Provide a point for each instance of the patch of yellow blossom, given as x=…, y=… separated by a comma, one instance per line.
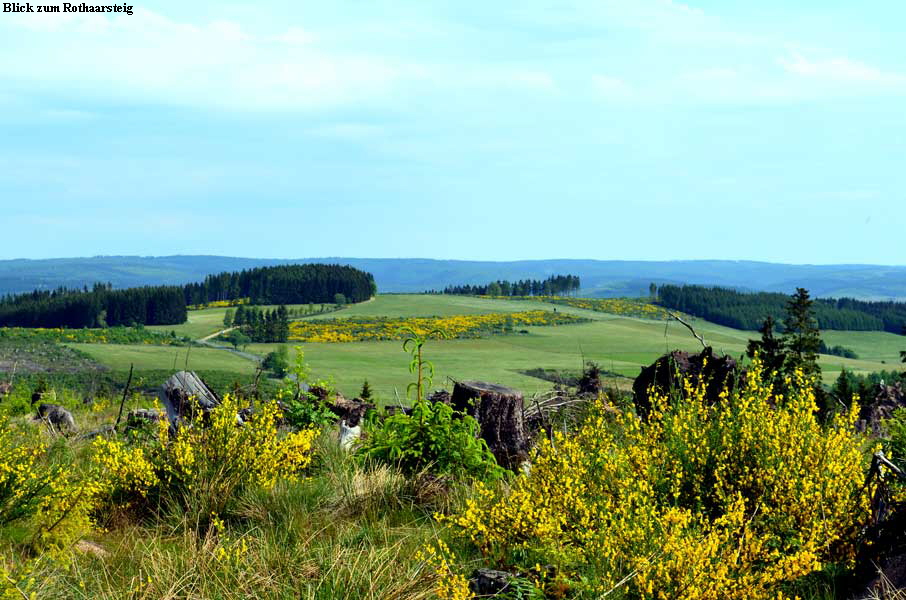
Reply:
x=229, y=552
x=219, y=457
x=218, y=304
x=450, y=585
x=110, y=335
x=701, y=502
x=455, y=326
x=625, y=307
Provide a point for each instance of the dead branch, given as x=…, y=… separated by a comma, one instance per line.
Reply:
x=689, y=327
x=123, y=401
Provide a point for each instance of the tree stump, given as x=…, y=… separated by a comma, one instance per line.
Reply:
x=183, y=392
x=498, y=410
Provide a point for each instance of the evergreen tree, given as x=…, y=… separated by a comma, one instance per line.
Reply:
x=228, y=318
x=801, y=338
x=844, y=388
x=771, y=352
x=365, y=394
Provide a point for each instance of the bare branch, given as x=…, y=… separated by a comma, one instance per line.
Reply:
x=689, y=327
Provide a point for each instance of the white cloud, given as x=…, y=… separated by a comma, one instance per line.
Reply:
x=839, y=70
x=150, y=57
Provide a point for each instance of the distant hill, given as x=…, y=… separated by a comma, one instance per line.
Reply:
x=599, y=278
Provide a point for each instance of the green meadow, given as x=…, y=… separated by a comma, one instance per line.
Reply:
x=619, y=344
x=151, y=358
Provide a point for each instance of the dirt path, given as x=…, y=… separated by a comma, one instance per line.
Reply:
x=206, y=340
x=215, y=334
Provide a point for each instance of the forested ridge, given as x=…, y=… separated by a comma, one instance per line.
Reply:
x=747, y=310
x=290, y=284
x=102, y=306
x=555, y=285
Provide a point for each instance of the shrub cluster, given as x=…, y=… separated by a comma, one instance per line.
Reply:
x=733, y=500
x=394, y=328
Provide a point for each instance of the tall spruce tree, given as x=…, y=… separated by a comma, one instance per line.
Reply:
x=771, y=352
x=801, y=337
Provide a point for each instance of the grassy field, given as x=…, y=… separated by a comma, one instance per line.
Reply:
x=619, y=344
x=118, y=357
x=210, y=320
x=206, y=321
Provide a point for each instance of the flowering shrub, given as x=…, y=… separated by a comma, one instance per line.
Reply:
x=203, y=466
x=393, y=328
x=206, y=466
x=218, y=304
x=732, y=500
x=450, y=585
x=41, y=490
x=110, y=335
x=625, y=307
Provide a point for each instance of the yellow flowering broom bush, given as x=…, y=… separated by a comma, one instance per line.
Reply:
x=205, y=466
x=733, y=500
x=43, y=492
x=362, y=329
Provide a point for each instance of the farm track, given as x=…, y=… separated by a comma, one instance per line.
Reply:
x=246, y=355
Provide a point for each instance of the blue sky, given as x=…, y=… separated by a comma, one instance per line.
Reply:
x=642, y=129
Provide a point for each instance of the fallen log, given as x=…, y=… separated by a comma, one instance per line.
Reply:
x=183, y=394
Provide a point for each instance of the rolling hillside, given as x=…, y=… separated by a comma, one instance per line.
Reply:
x=402, y=275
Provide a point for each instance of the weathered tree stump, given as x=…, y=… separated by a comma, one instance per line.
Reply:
x=185, y=392
x=498, y=410
x=666, y=374
x=350, y=411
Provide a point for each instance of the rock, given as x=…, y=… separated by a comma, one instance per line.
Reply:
x=499, y=412
x=86, y=547
x=349, y=435
x=887, y=399
x=490, y=582
x=667, y=373
x=141, y=417
x=56, y=417
x=104, y=431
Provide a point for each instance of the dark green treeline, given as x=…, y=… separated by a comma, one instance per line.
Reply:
x=742, y=310
x=102, y=306
x=290, y=284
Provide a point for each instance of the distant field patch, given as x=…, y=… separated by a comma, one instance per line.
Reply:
x=218, y=304
x=120, y=357
x=624, y=307
x=109, y=335
x=454, y=327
